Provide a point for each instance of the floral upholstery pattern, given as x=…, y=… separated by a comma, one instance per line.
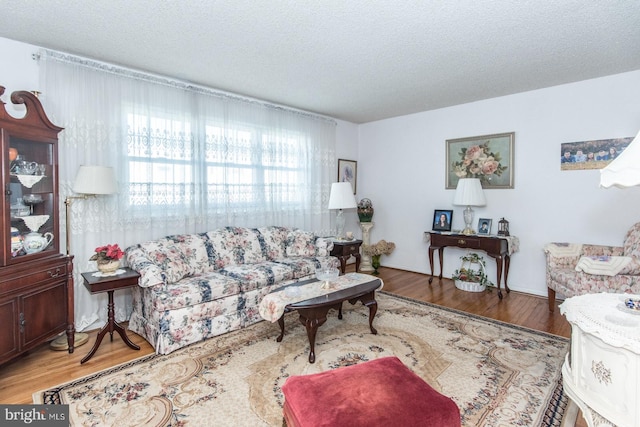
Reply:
x=562, y=276
x=196, y=286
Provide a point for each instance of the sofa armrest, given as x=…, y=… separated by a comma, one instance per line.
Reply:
x=150, y=273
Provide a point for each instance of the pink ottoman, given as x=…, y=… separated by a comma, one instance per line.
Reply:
x=381, y=392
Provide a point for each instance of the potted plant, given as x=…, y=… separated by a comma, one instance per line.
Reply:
x=468, y=279
x=375, y=251
x=107, y=258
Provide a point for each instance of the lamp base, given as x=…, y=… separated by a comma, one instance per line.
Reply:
x=60, y=343
x=468, y=219
x=468, y=232
x=340, y=221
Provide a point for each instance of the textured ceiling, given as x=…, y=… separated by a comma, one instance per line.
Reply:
x=353, y=60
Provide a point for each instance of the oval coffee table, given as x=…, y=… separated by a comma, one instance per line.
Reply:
x=313, y=311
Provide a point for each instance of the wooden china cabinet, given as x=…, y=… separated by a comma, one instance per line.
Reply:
x=36, y=284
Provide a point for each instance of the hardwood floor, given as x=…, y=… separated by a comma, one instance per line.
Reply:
x=42, y=367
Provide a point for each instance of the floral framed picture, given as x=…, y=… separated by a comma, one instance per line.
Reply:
x=348, y=172
x=442, y=220
x=484, y=225
x=487, y=157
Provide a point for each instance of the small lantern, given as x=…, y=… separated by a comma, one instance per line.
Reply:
x=503, y=227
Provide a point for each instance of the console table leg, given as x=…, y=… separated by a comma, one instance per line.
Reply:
x=499, y=273
x=431, y=263
x=507, y=260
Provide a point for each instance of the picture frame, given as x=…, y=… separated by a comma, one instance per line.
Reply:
x=484, y=226
x=487, y=157
x=445, y=225
x=594, y=154
x=348, y=172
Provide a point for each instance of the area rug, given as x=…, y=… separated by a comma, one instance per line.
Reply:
x=498, y=374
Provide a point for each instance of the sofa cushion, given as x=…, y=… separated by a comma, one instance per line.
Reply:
x=192, y=291
x=258, y=275
x=165, y=254
x=193, y=250
x=273, y=241
x=233, y=246
x=300, y=243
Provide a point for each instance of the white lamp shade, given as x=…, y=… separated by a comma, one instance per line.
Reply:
x=341, y=196
x=95, y=180
x=624, y=170
x=469, y=193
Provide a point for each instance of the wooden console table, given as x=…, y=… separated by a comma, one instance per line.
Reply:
x=496, y=247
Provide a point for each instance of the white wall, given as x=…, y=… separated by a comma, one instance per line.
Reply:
x=18, y=72
x=401, y=168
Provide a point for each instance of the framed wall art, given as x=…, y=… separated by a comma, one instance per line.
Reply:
x=442, y=220
x=487, y=157
x=348, y=172
x=595, y=154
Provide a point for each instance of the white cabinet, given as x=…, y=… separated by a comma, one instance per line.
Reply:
x=602, y=371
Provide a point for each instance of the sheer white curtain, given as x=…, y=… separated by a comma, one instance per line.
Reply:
x=187, y=159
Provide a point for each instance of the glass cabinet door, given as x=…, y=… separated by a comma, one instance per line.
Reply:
x=32, y=199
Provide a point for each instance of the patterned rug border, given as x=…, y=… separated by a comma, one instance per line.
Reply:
x=556, y=407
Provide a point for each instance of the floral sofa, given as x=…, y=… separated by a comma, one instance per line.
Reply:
x=196, y=286
x=577, y=269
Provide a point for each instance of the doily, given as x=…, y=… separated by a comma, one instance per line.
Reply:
x=115, y=273
x=29, y=180
x=599, y=315
x=34, y=222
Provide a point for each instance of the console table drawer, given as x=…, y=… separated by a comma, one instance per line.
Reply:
x=461, y=242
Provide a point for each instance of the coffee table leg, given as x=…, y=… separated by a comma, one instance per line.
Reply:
x=312, y=319
x=369, y=300
x=281, y=324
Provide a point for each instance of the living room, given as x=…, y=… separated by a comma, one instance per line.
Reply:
x=401, y=167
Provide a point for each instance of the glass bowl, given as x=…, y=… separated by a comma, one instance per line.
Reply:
x=327, y=274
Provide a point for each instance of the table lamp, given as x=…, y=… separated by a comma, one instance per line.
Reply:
x=341, y=197
x=469, y=193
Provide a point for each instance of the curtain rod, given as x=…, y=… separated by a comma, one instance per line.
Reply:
x=167, y=81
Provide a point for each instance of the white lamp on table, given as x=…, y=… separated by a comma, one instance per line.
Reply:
x=341, y=198
x=469, y=193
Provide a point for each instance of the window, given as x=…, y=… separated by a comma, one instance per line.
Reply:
x=215, y=168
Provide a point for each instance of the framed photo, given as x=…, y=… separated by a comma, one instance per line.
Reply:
x=484, y=226
x=488, y=157
x=595, y=154
x=348, y=172
x=442, y=220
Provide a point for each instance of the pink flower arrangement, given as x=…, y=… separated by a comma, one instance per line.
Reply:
x=105, y=254
x=478, y=161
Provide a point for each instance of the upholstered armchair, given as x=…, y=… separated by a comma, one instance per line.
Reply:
x=577, y=269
